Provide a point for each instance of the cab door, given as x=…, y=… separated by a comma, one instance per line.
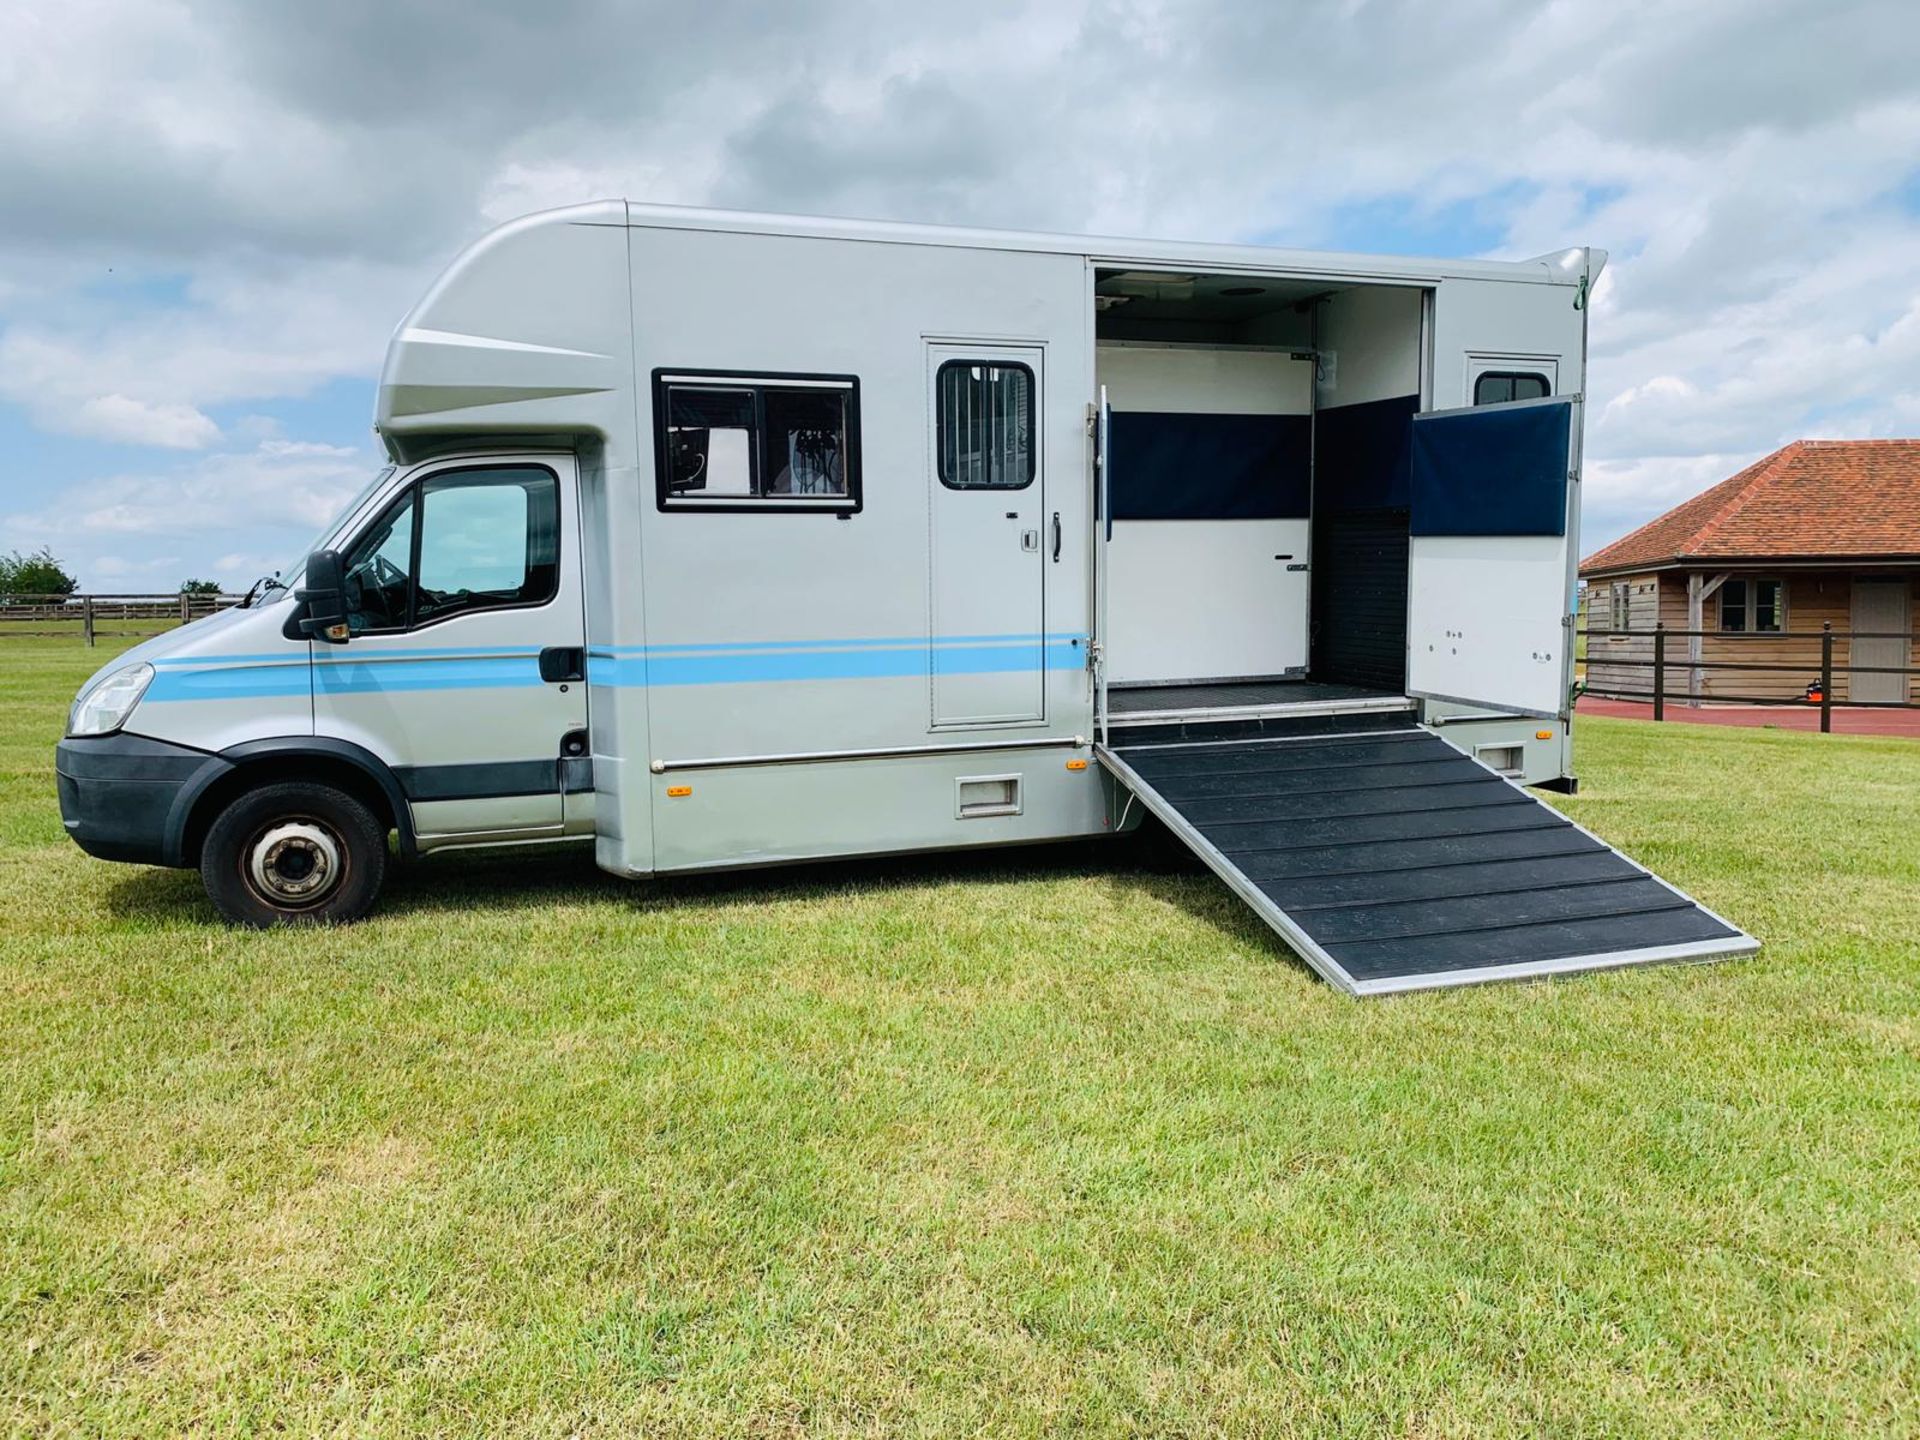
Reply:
x=465, y=670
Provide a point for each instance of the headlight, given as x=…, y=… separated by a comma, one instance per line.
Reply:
x=104, y=708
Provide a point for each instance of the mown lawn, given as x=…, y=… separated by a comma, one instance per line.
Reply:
x=1047, y=1142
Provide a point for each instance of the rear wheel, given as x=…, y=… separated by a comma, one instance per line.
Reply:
x=294, y=854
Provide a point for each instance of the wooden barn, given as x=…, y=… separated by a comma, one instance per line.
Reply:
x=1821, y=532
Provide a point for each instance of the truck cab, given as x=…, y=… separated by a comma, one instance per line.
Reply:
x=420, y=673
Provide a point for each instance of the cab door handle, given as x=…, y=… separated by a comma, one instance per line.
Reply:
x=559, y=663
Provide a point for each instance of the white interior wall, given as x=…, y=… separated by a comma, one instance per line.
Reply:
x=1205, y=599
x=1369, y=346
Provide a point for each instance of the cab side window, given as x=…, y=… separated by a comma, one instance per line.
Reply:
x=458, y=540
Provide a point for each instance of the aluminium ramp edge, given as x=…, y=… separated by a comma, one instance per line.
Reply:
x=1391, y=861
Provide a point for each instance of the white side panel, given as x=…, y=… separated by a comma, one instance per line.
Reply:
x=1206, y=599
x=772, y=634
x=1369, y=346
x=1196, y=380
x=1484, y=619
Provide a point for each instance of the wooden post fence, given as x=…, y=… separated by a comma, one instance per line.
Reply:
x=1826, y=678
x=1660, y=670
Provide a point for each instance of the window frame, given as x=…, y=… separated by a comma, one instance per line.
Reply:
x=1033, y=424
x=1619, y=608
x=758, y=382
x=411, y=493
x=1509, y=375
x=1751, y=609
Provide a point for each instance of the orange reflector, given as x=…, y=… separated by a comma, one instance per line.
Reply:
x=675, y=792
x=1543, y=734
x=1076, y=764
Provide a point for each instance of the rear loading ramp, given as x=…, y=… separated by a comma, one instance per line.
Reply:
x=1391, y=861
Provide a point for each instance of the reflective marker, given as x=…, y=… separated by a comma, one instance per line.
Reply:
x=1076, y=764
x=676, y=792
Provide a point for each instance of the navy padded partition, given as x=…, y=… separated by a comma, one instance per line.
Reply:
x=1501, y=470
x=1361, y=458
x=1176, y=466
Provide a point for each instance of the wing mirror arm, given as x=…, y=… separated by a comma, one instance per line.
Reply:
x=320, y=610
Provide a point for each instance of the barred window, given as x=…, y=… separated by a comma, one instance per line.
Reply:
x=984, y=425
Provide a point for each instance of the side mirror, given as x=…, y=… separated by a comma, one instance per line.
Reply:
x=323, y=599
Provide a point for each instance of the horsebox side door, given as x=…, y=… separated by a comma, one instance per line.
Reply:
x=1490, y=575
x=986, y=483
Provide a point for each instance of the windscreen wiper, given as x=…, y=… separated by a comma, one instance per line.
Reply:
x=259, y=589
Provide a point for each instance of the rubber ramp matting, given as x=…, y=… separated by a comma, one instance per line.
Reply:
x=1392, y=861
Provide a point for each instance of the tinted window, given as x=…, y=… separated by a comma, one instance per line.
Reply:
x=379, y=571
x=1733, y=606
x=457, y=541
x=806, y=445
x=1753, y=606
x=757, y=442
x=984, y=425
x=710, y=441
x=1497, y=387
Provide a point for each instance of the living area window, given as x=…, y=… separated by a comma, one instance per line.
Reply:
x=1753, y=607
x=725, y=440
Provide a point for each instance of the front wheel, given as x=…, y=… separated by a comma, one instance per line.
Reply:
x=294, y=854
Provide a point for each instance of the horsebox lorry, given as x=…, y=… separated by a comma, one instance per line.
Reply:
x=724, y=540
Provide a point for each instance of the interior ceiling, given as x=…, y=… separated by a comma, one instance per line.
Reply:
x=1154, y=295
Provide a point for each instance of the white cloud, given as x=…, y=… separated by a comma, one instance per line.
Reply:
x=138, y=422
x=303, y=171
x=234, y=513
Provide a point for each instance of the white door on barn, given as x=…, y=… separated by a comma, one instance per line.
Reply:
x=1881, y=622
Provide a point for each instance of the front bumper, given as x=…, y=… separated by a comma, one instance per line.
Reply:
x=122, y=796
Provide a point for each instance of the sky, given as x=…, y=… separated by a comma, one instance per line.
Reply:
x=213, y=214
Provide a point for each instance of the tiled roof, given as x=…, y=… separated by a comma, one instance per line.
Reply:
x=1844, y=499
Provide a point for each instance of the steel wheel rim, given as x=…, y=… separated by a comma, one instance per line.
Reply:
x=295, y=863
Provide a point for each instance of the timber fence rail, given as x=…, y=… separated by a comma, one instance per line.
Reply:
x=91, y=617
x=1690, y=694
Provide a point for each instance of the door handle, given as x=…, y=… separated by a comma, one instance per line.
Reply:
x=1030, y=541
x=559, y=663
x=1056, y=537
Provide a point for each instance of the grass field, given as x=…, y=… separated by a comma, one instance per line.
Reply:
x=1046, y=1142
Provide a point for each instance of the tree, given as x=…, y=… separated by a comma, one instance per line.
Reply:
x=35, y=574
x=199, y=587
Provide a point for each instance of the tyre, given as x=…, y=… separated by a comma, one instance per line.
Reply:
x=295, y=853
